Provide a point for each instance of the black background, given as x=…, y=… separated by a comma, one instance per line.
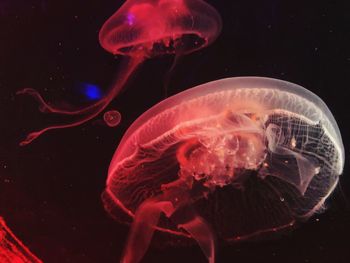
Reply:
x=50, y=190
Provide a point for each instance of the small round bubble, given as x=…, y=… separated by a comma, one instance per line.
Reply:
x=112, y=118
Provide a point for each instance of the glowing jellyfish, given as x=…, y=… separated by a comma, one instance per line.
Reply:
x=233, y=158
x=112, y=118
x=11, y=248
x=141, y=29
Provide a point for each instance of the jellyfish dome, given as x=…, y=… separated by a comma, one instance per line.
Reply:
x=156, y=27
x=245, y=156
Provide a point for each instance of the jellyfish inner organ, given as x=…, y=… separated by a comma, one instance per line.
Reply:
x=218, y=149
x=235, y=142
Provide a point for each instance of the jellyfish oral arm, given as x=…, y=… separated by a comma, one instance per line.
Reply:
x=214, y=158
x=143, y=227
x=175, y=204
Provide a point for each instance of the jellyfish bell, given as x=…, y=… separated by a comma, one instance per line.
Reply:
x=157, y=27
x=233, y=158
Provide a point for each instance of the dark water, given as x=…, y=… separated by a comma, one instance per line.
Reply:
x=50, y=190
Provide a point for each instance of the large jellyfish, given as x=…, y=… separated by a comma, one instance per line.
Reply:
x=230, y=159
x=142, y=29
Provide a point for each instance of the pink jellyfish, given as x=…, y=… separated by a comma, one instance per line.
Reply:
x=234, y=159
x=142, y=29
x=11, y=248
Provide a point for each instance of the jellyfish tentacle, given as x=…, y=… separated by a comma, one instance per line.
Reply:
x=45, y=106
x=86, y=113
x=169, y=74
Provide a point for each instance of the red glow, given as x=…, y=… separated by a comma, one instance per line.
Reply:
x=12, y=250
x=142, y=29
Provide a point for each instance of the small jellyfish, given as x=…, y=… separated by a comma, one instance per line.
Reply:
x=141, y=30
x=112, y=118
x=231, y=159
x=12, y=250
x=148, y=28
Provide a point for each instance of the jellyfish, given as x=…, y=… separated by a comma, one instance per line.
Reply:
x=11, y=248
x=138, y=30
x=229, y=160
